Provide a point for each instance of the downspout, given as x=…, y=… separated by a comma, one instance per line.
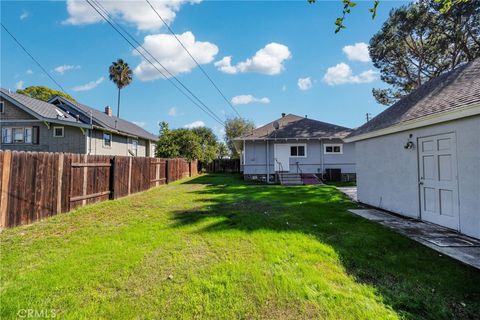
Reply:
x=321, y=155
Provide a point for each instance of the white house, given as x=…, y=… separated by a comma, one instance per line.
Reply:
x=421, y=157
x=297, y=150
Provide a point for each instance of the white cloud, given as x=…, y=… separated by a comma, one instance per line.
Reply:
x=166, y=49
x=64, y=68
x=141, y=124
x=172, y=112
x=357, y=52
x=248, y=99
x=24, y=15
x=342, y=74
x=19, y=85
x=29, y=71
x=195, y=124
x=88, y=86
x=268, y=60
x=305, y=83
x=137, y=13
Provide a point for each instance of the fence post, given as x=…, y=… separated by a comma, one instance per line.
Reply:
x=111, y=182
x=129, y=174
x=167, y=171
x=59, y=182
x=7, y=157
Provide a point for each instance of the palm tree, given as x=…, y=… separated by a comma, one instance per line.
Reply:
x=121, y=75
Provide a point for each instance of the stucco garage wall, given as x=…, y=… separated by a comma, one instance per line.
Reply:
x=387, y=174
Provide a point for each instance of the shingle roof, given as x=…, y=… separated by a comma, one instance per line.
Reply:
x=41, y=108
x=112, y=122
x=295, y=127
x=451, y=90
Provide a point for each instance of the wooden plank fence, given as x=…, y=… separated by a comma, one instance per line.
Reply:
x=36, y=185
x=221, y=165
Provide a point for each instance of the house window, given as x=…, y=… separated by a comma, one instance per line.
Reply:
x=2, y=107
x=333, y=148
x=107, y=139
x=7, y=135
x=58, y=132
x=18, y=135
x=28, y=135
x=298, y=150
x=134, y=147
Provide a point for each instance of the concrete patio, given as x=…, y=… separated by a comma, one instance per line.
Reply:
x=443, y=240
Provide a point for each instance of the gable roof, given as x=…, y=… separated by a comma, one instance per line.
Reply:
x=295, y=127
x=108, y=122
x=449, y=92
x=40, y=109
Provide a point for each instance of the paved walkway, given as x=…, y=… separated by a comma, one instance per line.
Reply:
x=443, y=240
x=351, y=192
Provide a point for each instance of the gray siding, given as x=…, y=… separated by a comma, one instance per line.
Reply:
x=120, y=145
x=12, y=112
x=73, y=140
x=388, y=174
x=314, y=162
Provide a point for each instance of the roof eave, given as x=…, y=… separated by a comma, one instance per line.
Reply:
x=457, y=113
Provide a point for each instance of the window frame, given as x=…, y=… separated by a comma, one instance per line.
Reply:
x=22, y=129
x=134, y=142
x=110, y=141
x=54, y=131
x=13, y=131
x=333, y=145
x=4, y=129
x=2, y=106
x=304, y=145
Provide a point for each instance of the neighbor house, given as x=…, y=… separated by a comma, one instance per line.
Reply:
x=61, y=125
x=297, y=146
x=421, y=157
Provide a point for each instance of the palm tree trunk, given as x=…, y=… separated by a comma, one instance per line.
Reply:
x=118, y=104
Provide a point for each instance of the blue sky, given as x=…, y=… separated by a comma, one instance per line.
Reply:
x=284, y=57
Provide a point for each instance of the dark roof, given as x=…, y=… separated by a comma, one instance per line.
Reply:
x=40, y=108
x=295, y=127
x=451, y=90
x=111, y=122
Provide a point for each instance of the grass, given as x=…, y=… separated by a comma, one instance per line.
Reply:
x=342, y=183
x=215, y=247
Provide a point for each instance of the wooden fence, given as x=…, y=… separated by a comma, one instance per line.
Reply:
x=36, y=185
x=221, y=165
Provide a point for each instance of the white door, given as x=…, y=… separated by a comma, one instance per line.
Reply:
x=282, y=157
x=438, y=180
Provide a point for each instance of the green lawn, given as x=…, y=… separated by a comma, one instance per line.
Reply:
x=215, y=247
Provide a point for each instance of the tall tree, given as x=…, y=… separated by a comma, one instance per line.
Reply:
x=234, y=128
x=121, y=75
x=418, y=42
x=43, y=93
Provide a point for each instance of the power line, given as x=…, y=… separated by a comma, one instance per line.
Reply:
x=193, y=58
x=111, y=22
x=35, y=60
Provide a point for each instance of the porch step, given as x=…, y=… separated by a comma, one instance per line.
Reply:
x=290, y=179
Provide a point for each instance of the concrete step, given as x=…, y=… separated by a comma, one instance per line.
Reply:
x=290, y=179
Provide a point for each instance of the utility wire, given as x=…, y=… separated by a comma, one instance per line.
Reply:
x=108, y=18
x=35, y=60
x=193, y=58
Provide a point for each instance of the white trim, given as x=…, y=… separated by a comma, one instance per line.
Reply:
x=333, y=145
x=58, y=127
x=304, y=145
x=450, y=115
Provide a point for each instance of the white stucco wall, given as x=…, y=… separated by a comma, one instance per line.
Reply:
x=387, y=174
x=256, y=157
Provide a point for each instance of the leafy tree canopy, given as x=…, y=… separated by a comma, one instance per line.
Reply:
x=235, y=127
x=43, y=93
x=418, y=43
x=197, y=143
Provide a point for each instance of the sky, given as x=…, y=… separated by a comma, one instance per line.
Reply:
x=266, y=57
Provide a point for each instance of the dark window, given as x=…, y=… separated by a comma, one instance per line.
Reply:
x=2, y=107
x=107, y=139
x=336, y=149
x=36, y=135
x=328, y=149
x=301, y=151
x=58, y=132
x=293, y=151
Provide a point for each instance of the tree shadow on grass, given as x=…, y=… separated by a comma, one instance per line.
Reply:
x=414, y=280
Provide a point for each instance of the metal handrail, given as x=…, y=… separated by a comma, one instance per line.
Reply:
x=298, y=168
x=280, y=166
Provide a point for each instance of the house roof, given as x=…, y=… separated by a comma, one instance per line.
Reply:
x=448, y=92
x=110, y=122
x=38, y=108
x=295, y=127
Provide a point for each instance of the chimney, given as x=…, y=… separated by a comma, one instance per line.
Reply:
x=283, y=114
x=108, y=111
